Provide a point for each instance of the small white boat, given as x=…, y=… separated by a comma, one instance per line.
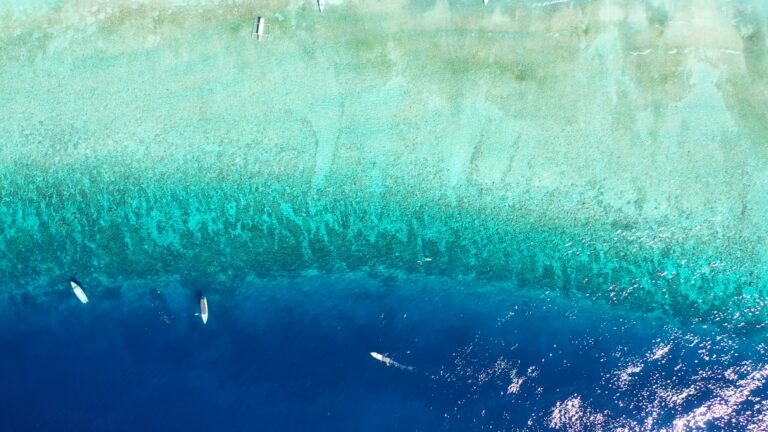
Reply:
x=382, y=358
x=485, y=2
x=389, y=362
x=259, y=28
x=321, y=5
x=204, y=309
x=79, y=292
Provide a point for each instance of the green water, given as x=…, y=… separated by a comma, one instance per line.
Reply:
x=616, y=149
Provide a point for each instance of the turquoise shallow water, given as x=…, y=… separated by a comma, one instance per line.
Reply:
x=611, y=149
x=600, y=151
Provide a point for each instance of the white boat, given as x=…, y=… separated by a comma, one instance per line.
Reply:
x=485, y=2
x=79, y=292
x=382, y=358
x=204, y=309
x=321, y=5
x=389, y=362
x=259, y=28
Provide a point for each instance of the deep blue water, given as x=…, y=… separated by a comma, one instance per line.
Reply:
x=292, y=354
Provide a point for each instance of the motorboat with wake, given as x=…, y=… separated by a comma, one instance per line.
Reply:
x=389, y=362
